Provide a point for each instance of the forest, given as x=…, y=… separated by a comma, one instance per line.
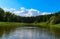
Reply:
x=9, y=17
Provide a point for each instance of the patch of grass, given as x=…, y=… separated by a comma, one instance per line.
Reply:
x=17, y=24
x=55, y=28
x=11, y=24
x=55, y=25
x=41, y=24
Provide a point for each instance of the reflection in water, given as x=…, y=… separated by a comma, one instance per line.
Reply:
x=27, y=33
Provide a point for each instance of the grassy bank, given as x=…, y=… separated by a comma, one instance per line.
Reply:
x=55, y=28
x=52, y=27
x=11, y=25
x=8, y=25
x=41, y=24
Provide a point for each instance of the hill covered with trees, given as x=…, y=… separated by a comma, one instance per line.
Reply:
x=9, y=17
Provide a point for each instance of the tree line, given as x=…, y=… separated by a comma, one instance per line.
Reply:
x=9, y=17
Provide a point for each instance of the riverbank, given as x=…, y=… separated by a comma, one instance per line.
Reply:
x=8, y=25
x=42, y=24
x=55, y=28
x=11, y=24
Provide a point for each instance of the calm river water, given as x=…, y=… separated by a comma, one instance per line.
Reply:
x=28, y=33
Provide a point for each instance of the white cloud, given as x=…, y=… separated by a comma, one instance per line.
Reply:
x=32, y=12
x=26, y=12
x=9, y=9
x=45, y=13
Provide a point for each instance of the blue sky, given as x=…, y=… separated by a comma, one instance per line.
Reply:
x=41, y=5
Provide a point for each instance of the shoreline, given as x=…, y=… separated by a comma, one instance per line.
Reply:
x=8, y=25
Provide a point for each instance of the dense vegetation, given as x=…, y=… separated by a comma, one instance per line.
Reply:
x=9, y=17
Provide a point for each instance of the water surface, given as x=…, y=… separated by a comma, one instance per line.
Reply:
x=28, y=33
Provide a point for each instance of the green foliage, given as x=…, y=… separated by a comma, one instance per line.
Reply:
x=55, y=18
x=9, y=17
x=2, y=14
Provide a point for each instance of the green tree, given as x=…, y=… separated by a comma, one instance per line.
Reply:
x=2, y=14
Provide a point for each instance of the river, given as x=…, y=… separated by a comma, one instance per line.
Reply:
x=28, y=33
